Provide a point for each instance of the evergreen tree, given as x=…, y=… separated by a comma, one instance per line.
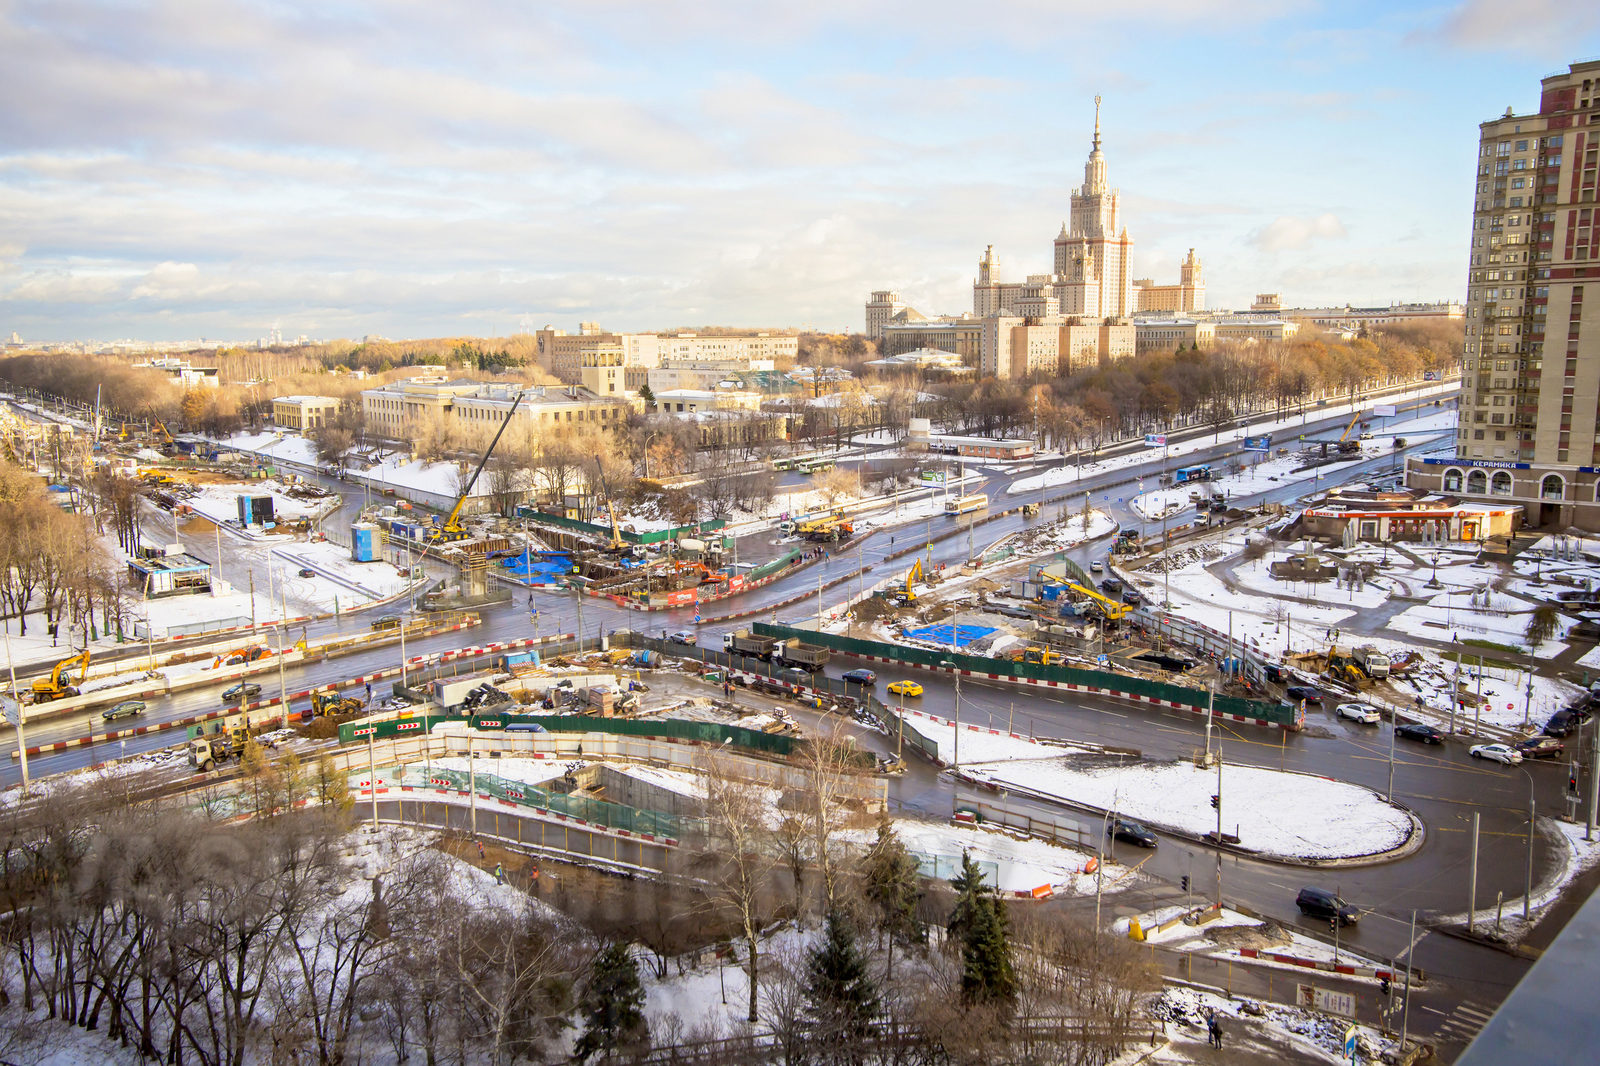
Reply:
x=987, y=975
x=840, y=996
x=612, y=1004
x=969, y=890
x=893, y=886
x=646, y=395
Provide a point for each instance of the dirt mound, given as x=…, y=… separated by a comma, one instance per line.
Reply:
x=1263, y=937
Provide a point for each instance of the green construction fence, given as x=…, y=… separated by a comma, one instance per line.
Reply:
x=656, y=536
x=1146, y=688
x=705, y=732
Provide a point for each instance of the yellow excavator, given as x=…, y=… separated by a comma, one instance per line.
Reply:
x=912, y=577
x=451, y=530
x=56, y=687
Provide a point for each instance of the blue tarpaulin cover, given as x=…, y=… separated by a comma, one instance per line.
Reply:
x=962, y=635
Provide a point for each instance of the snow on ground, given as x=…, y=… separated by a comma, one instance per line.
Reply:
x=979, y=744
x=399, y=472
x=1200, y=939
x=712, y=999
x=220, y=503
x=1452, y=617
x=1273, y=812
x=1279, y=1029
x=290, y=447
x=1024, y=863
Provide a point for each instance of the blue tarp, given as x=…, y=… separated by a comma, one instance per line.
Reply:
x=962, y=635
x=543, y=567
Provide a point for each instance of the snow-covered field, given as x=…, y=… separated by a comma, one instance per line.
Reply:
x=1252, y=479
x=220, y=503
x=1025, y=864
x=1275, y=813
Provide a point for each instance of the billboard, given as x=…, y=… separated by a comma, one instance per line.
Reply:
x=1383, y=410
x=1258, y=444
x=1155, y=440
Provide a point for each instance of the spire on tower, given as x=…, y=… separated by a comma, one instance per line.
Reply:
x=1097, y=123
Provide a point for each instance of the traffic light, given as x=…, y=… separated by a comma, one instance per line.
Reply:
x=1184, y=882
x=1216, y=802
x=1383, y=986
x=1572, y=780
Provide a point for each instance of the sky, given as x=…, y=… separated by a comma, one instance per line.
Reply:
x=215, y=168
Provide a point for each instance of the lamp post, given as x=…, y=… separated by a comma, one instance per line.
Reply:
x=955, y=753
x=1527, y=889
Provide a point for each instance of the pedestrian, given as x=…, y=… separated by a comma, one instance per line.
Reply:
x=499, y=873
x=1216, y=1032
x=1211, y=1028
x=480, y=851
x=369, y=691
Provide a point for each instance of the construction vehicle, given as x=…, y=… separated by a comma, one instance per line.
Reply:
x=794, y=653
x=1347, y=429
x=332, y=703
x=1343, y=666
x=56, y=686
x=450, y=530
x=1039, y=657
x=206, y=752
x=1114, y=610
x=912, y=577
x=1374, y=663
x=745, y=642
x=247, y=654
x=965, y=504
x=833, y=525
x=1029, y=510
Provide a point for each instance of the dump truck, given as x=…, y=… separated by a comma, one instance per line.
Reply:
x=745, y=642
x=1373, y=662
x=205, y=753
x=794, y=653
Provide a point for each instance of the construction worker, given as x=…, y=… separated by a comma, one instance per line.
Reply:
x=499, y=873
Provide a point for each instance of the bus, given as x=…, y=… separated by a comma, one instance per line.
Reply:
x=965, y=504
x=1192, y=473
x=816, y=466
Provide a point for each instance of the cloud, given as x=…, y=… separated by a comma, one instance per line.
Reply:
x=1544, y=28
x=1288, y=233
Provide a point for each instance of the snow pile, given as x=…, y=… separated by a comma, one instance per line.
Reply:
x=1025, y=864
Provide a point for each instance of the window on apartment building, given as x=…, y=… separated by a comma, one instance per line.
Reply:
x=1522, y=146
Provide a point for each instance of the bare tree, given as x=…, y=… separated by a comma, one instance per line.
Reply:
x=739, y=859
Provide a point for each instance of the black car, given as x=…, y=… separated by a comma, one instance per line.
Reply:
x=1561, y=724
x=243, y=688
x=1417, y=731
x=861, y=677
x=1133, y=833
x=1111, y=584
x=1133, y=597
x=306, y=571
x=1276, y=674
x=1304, y=692
x=1320, y=903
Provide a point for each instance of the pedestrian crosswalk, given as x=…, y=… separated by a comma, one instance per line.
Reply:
x=1463, y=1023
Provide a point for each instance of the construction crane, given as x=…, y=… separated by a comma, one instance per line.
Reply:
x=50, y=688
x=451, y=529
x=1114, y=610
x=1346, y=434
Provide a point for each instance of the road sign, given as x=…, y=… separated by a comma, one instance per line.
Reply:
x=1155, y=440
x=1323, y=999
x=1350, y=1043
x=1258, y=444
x=12, y=708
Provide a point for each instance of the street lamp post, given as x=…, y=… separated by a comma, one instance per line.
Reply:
x=1527, y=889
x=955, y=753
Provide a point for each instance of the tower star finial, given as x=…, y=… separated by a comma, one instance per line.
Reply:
x=1097, y=123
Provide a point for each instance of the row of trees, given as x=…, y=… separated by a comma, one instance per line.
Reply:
x=52, y=562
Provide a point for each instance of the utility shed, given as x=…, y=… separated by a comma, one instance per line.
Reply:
x=170, y=575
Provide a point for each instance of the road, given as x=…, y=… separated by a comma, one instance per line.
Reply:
x=1442, y=785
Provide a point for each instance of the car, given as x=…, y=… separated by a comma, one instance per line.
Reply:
x=125, y=709
x=684, y=636
x=1304, y=692
x=1541, y=748
x=905, y=688
x=1111, y=584
x=1426, y=734
x=388, y=621
x=306, y=571
x=242, y=689
x=1366, y=436
x=1132, y=832
x=1097, y=567
x=796, y=676
x=1561, y=724
x=1276, y=674
x=1497, y=752
x=1133, y=598
x=1365, y=713
x=861, y=677
x=1320, y=903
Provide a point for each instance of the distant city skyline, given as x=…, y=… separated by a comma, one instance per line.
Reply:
x=216, y=169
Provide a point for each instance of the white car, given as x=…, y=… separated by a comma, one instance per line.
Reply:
x=1097, y=567
x=1365, y=713
x=1498, y=752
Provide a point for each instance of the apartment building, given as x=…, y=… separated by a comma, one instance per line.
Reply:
x=563, y=355
x=760, y=351
x=1529, y=428
x=1015, y=347
x=1397, y=314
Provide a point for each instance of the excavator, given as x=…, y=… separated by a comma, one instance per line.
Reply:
x=451, y=530
x=247, y=654
x=912, y=576
x=53, y=687
x=1038, y=657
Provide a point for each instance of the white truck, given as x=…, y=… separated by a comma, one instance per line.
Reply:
x=1374, y=663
